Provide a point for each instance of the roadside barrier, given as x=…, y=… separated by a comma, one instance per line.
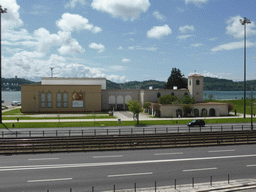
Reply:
x=121, y=131
x=124, y=142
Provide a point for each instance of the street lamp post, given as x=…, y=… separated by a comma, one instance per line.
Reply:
x=1, y=11
x=244, y=22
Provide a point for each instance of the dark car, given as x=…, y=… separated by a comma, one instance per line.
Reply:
x=198, y=122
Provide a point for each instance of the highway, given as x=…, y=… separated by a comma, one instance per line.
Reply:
x=82, y=171
x=149, y=129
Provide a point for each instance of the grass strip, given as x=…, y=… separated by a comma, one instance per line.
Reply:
x=115, y=123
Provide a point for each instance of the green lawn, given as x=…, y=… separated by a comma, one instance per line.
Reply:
x=238, y=105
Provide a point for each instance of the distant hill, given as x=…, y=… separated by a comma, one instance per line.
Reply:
x=13, y=84
x=210, y=84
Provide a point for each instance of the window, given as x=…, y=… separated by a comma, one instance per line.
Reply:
x=190, y=82
x=158, y=95
x=59, y=103
x=49, y=99
x=42, y=100
x=197, y=82
x=65, y=100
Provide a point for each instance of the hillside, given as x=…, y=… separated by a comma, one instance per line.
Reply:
x=210, y=84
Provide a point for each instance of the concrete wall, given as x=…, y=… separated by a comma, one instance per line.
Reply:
x=31, y=98
x=117, y=98
x=74, y=81
x=221, y=109
x=151, y=95
x=196, y=90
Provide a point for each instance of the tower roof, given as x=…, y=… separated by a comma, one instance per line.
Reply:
x=196, y=75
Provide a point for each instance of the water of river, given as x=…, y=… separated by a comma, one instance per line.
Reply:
x=9, y=96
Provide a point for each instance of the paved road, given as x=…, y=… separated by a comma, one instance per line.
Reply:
x=81, y=171
x=150, y=129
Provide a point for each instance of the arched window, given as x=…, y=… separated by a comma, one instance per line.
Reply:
x=196, y=113
x=158, y=95
x=127, y=98
x=190, y=82
x=204, y=112
x=111, y=100
x=179, y=113
x=197, y=82
x=212, y=112
x=120, y=102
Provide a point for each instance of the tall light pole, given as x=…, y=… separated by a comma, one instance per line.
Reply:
x=244, y=22
x=1, y=11
x=51, y=71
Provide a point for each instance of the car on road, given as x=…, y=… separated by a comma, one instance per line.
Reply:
x=197, y=122
x=16, y=103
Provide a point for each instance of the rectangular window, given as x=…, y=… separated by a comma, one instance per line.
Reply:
x=65, y=100
x=42, y=100
x=59, y=102
x=49, y=100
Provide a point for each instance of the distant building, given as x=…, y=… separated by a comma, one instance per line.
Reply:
x=65, y=95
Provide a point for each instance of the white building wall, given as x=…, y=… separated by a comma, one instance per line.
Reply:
x=74, y=81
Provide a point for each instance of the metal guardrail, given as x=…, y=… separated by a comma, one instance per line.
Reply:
x=120, y=131
x=122, y=142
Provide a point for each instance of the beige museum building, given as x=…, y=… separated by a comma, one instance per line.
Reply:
x=78, y=95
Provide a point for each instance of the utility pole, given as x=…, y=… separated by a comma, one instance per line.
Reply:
x=244, y=22
x=252, y=109
x=51, y=71
x=1, y=11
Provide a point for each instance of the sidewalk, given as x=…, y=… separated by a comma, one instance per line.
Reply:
x=221, y=186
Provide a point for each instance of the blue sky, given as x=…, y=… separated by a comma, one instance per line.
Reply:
x=127, y=40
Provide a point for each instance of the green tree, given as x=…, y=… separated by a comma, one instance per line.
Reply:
x=176, y=79
x=187, y=110
x=135, y=107
x=146, y=106
x=187, y=99
x=168, y=99
x=210, y=97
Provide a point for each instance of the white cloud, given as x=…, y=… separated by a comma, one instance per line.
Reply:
x=184, y=37
x=213, y=38
x=195, y=1
x=98, y=47
x=143, y=48
x=232, y=46
x=180, y=10
x=32, y=65
x=158, y=15
x=159, y=31
x=120, y=48
x=126, y=9
x=71, y=22
x=72, y=3
x=67, y=44
x=236, y=29
x=11, y=19
x=117, y=78
x=186, y=28
x=197, y=45
x=126, y=60
x=117, y=68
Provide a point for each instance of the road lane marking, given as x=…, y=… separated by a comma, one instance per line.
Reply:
x=42, y=159
x=219, y=151
x=112, y=156
x=47, y=180
x=58, y=166
x=203, y=169
x=131, y=174
x=178, y=153
x=250, y=165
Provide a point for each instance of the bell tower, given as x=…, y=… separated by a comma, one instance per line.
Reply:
x=196, y=87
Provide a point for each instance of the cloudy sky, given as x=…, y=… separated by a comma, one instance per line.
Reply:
x=127, y=40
